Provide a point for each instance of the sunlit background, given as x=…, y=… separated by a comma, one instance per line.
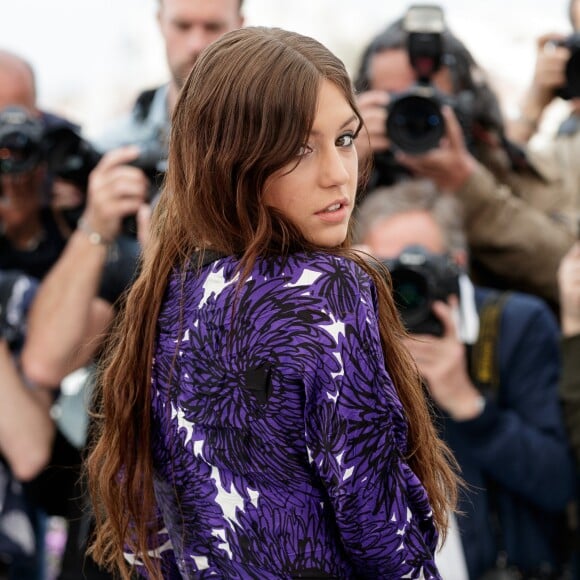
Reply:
x=92, y=57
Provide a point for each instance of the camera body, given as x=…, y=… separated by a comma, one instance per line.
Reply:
x=26, y=143
x=419, y=278
x=571, y=90
x=415, y=122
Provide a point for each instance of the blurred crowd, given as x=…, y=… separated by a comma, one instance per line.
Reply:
x=476, y=221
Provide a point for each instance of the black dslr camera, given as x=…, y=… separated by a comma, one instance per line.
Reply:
x=571, y=90
x=26, y=142
x=415, y=123
x=419, y=278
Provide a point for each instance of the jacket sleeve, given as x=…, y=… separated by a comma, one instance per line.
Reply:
x=517, y=240
x=519, y=439
x=356, y=438
x=570, y=389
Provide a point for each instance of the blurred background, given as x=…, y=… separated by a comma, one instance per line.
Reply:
x=92, y=57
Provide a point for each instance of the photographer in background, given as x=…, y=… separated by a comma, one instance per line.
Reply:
x=68, y=301
x=499, y=413
x=33, y=229
x=556, y=76
x=519, y=223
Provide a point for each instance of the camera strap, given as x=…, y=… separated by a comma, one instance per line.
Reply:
x=484, y=354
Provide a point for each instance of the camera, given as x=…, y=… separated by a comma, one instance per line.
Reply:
x=419, y=278
x=415, y=122
x=571, y=89
x=26, y=142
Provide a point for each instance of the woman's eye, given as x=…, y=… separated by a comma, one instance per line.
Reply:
x=304, y=150
x=345, y=140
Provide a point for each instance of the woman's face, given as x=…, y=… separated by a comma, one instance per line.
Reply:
x=318, y=194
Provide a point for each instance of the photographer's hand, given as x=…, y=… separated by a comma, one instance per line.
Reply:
x=373, y=137
x=442, y=363
x=450, y=165
x=116, y=190
x=549, y=75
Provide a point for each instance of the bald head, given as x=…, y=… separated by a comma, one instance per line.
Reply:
x=17, y=83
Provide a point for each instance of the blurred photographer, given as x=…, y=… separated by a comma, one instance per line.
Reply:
x=69, y=300
x=556, y=77
x=490, y=363
x=430, y=113
x=33, y=228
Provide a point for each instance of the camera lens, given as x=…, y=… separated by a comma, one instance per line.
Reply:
x=415, y=123
x=17, y=153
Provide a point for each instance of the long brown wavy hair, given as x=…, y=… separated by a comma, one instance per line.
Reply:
x=244, y=112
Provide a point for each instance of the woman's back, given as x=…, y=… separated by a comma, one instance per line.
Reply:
x=278, y=435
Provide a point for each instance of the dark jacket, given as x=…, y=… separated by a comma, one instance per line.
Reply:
x=515, y=455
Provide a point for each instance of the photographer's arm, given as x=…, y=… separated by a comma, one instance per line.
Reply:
x=68, y=320
x=516, y=239
x=26, y=427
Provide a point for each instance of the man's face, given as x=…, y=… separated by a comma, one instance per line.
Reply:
x=189, y=26
x=16, y=87
x=391, y=71
x=391, y=235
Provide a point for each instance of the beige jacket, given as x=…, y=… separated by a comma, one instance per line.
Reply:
x=519, y=225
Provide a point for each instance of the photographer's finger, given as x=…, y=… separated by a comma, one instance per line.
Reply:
x=120, y=156
x=454, y=132
x=444, y=313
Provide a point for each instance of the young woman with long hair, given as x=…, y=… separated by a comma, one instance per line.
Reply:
x=258, y=414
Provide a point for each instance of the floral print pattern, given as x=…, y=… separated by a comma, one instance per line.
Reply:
x=279, y=439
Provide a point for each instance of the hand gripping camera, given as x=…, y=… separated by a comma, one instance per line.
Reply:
x=419, y=278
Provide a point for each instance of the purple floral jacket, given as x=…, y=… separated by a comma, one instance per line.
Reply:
x=279, y=439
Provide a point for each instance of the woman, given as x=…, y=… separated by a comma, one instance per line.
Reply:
x=268, y=439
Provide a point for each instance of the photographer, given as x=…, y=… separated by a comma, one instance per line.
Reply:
x=499, y=413
x=556, y=76
x=33, y=228
x=518, y=222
